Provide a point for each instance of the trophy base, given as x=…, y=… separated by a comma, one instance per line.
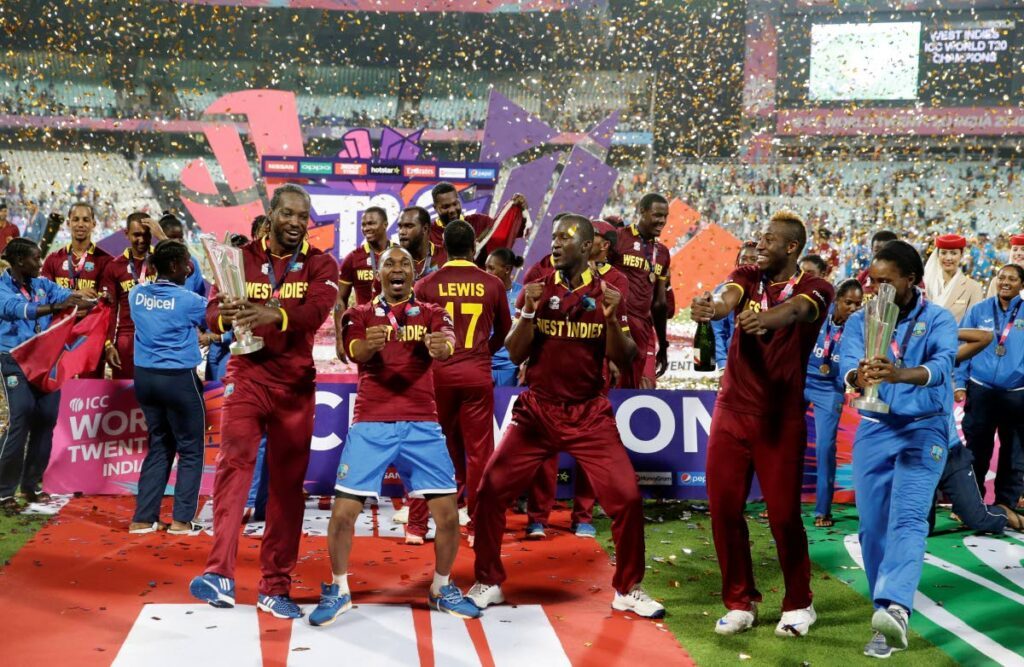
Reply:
x=254, y=344
x=870, y=405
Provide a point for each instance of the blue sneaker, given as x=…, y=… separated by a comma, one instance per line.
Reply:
x=451, y=601
x=214, y=589
x=331, y=605
x=281, y=606
x=535, y=531
x=585, y=530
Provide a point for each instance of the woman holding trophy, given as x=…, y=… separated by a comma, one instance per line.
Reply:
x=899, y=352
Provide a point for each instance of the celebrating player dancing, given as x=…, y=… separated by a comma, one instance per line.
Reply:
x=567, y=325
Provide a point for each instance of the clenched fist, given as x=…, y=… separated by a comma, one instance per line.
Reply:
x=376, y=338
x=437, y=345
x=531, y=295
x=610, y=299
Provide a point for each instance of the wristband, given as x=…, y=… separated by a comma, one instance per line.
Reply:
x=528, y=315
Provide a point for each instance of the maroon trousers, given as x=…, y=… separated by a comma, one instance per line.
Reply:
x=286, y=416
x=541, y=498
x=538, y=430
x=466, y=415
x=739, y=445
x=125, y=345
x=645, y=339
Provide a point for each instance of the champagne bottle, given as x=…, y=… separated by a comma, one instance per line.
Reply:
x=704, y=348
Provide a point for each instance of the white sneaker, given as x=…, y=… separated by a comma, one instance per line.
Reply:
x=737, y=620
x=484, y=595
x=401, y=516
x=638, y=602
x=796, y=623
x=463, y=516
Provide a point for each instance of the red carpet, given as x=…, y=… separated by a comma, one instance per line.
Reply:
x=75, y=591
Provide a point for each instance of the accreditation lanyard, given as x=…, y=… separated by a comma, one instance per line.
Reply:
x=1001, y=343
x=651, y=255
x=831, y=340
x=426, y=263
x=275, y=282
x=75, y=268
x=787, y=291
x=899, y=351
x=143, y=278
x=389, y=312
x=584, y=301
x=29, y=296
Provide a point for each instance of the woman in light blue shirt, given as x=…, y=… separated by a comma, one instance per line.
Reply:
x=167, y=386
x=27, y=306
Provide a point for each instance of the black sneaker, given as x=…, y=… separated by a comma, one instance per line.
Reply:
x=33, y=496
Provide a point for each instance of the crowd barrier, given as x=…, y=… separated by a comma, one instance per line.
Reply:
x=100, y=439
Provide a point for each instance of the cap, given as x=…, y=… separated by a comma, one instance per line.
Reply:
x=602, y=228
x=1017, y=239
x=950, y=242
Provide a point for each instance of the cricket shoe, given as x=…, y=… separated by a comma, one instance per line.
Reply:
x=215, y=590
x=892, y=623
x=535, y=531
x=878, y=648
x=585, y=530
x=796, y=622
x=464, y=516
x=332, y=605
x=736, y=621
x=401, y=516
x=450, y=600
x=485, y=595
x=638, y=602
x=280, y=606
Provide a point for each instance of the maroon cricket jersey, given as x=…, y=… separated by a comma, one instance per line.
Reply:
x=616, y=279
x=477, y=303
x=539, y=271
x=643, y=262
x=119, y=276
x=76, y=272
x=764, y=375
x=566, y=358
x=359, y=269
x=307, y=293
x=396, y=384
x=478, y=221
x=434, y=260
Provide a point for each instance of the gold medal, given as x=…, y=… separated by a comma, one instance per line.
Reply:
x=273, y=303
x=1000, y=350
x=825, y=369
x=653, y=277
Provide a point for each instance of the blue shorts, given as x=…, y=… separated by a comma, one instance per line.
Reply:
x=417, y=449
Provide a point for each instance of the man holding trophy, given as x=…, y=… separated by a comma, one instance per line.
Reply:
x=274, y=293
x=899, y=352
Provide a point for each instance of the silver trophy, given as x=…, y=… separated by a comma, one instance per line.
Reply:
x=880, y=316
x=227, y=266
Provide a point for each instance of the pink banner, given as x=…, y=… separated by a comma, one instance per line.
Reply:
x=929, y=122
x=101, y=439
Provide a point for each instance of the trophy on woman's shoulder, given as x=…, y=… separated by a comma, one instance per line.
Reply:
x=227, y=266
x=880, y=316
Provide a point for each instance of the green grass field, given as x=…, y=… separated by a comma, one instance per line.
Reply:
x=15, y=531
x=683, y=574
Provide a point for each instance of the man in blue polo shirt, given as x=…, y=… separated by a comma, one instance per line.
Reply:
x=167, y=386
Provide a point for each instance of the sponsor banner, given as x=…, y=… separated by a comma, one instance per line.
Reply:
x=456, y=173
x=927, y=122
x=419, y=171
x=342, y=169
x=100, y=440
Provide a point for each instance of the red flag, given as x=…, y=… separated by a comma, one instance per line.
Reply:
x=508, y=225
x=70, y=347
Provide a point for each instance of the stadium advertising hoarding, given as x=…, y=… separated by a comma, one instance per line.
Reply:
x=100, y=439
x=869, y=67
x=474, y=6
